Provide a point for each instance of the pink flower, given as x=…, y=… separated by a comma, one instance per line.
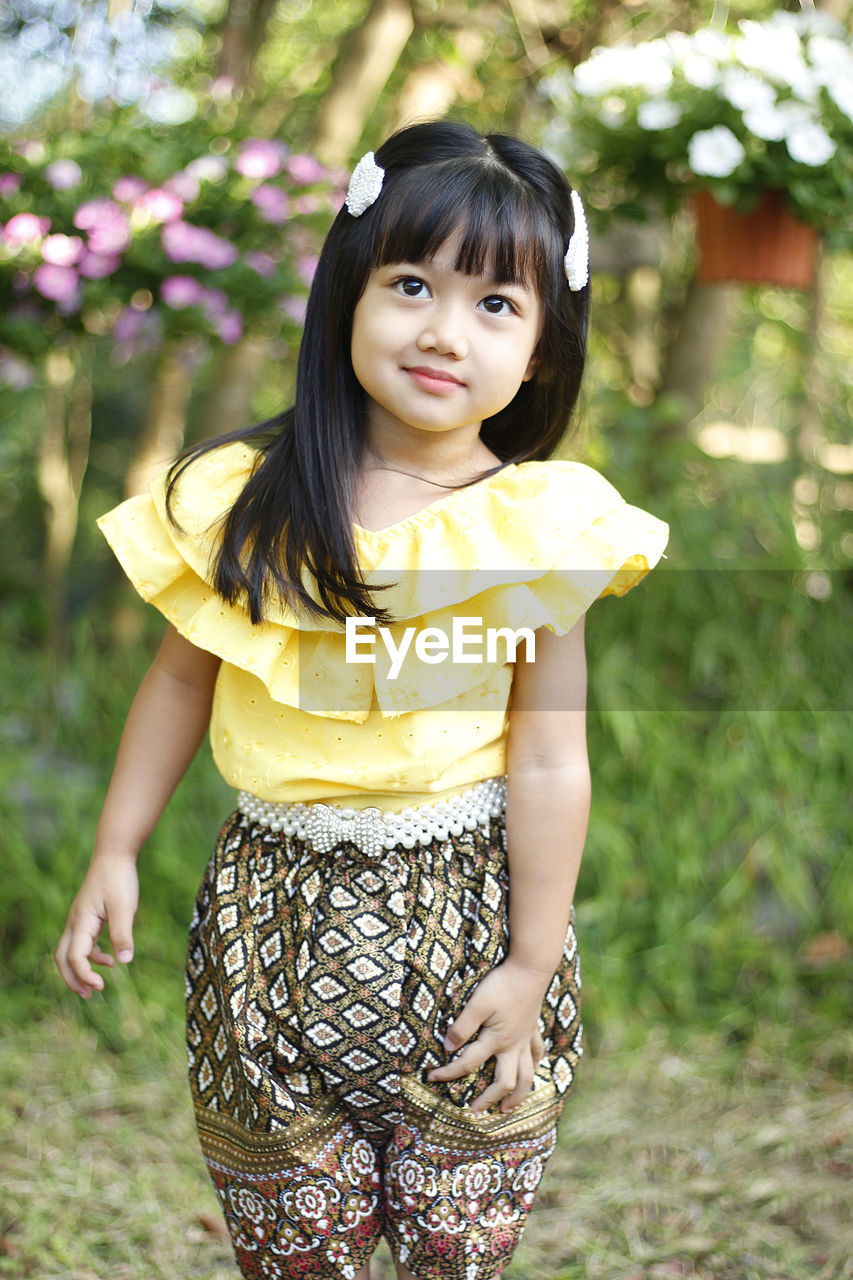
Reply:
x=26, y=228
x=62, y=251
x=129, y=188
x=222, y=88
x=305, y=169
x=181, y=291
x=87, y=214
x=129, y=325
x=261, y=158
x=308, y=204
x=229, y=327
x=15, y=372
x=183, y=242
x=56, y=283
x=162, y=205
x=306, y=265
x=107, y=225
x=260, y=262
x=63, y=175
x=215, y=302
x=97, y=266
x=9, y=183
x=183, y=185
x=272, y=204
x=295, y=308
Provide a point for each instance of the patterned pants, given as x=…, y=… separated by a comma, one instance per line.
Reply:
x=319, y=991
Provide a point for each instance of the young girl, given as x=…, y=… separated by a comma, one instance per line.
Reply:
x=382, y=976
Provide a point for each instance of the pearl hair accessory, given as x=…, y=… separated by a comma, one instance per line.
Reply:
x=364, y=185
x=325, y=827
x=576, y=261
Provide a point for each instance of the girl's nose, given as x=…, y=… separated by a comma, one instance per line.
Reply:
x=444, y=333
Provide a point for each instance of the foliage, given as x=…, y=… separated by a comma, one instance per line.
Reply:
x=766, y=108
x=143, y=236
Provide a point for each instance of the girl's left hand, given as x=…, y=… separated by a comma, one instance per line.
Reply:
x=504, y=1008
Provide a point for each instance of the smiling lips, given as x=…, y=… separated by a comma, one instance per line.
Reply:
x=439, y=380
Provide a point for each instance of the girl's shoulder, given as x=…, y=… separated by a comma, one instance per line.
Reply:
x=523, y=518
x=207, y=486
x=557, y=481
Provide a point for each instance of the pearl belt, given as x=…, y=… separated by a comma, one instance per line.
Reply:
x=325, y=826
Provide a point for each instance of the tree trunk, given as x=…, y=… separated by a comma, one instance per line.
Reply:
x=239, y=373
x=431, y=88
x=692, y=354
x=63, y=459
x=163, y=433
x=359, y=77
x=243, y=30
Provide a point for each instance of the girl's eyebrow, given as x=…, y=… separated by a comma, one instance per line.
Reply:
x=489, y=280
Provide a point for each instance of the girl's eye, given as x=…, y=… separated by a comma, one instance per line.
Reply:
x=411, y=287
x=497, y=305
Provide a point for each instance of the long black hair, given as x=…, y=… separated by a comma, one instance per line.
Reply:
x=513, y=209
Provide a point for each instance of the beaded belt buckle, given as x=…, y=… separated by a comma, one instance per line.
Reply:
x=326, y=827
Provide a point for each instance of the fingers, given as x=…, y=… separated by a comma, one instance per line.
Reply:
x=512, y=1083
x=78, y=949
x=74, y=967
x=466, y=1025
x=121, y=933
x=471, y=1057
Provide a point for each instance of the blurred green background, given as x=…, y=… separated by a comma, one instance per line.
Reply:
x=716, y=881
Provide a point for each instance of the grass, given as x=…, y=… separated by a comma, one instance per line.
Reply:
x=684, y=1156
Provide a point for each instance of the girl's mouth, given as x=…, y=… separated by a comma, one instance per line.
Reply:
x=438, y=380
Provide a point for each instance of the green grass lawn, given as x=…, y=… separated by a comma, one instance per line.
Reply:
x=680, y=1157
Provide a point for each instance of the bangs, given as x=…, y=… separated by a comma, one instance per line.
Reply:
x=503, y=232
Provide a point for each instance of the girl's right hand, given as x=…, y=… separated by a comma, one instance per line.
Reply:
x=108, y=895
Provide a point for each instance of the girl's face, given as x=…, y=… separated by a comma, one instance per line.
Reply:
x=437, y=350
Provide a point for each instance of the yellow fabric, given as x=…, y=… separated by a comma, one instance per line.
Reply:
x=292, y=719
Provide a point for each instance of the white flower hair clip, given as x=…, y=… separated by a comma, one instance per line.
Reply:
x=364, y=185
x=576, y=261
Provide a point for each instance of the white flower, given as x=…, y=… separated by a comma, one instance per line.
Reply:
x=658, y=113
x=612, y=112
x=774, y=49
x=699, y=71
x=712, y=43
x=208, y=169
x=810, y=22
x=170, y=104
x=745, y=90
x=601, y=72
x=768, y=123
x=830, y=59
x=714, y=153
x=841, y=92
x=810, y=145
x=644, y=66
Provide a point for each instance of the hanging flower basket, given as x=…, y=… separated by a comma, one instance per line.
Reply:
x=766, y=246
x=765, y=107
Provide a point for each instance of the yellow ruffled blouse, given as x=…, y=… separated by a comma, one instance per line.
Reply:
x=299, y=716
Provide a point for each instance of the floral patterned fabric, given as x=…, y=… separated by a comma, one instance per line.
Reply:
x=319, y=991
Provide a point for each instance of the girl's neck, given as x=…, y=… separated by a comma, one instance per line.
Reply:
x=438, y=467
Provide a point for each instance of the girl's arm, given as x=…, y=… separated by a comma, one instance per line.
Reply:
x=167, y=720
x=548, y=798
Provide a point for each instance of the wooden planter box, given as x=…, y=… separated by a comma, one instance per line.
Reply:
x=767, y=246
